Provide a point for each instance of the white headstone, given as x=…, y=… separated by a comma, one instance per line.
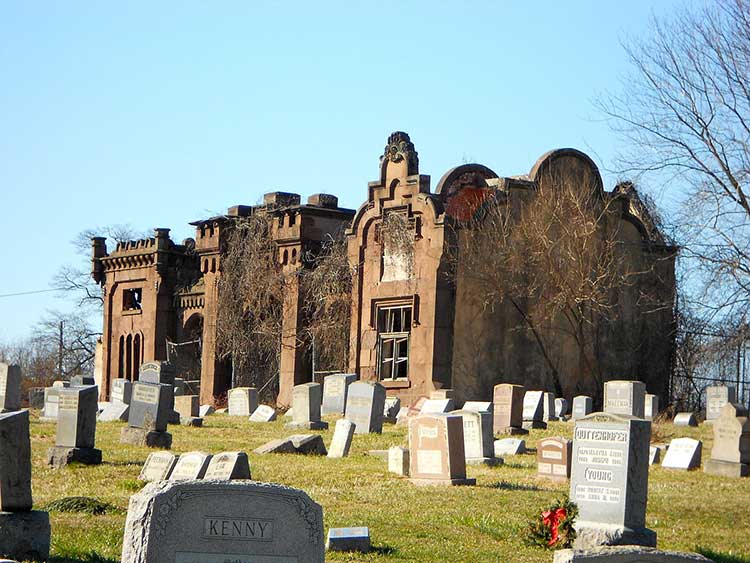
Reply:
x=683, y=453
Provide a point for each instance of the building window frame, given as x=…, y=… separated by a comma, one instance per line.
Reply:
x=394, y=322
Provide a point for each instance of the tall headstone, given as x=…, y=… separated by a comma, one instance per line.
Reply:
x=10, y=387
x=508, y=404
x=242, y=401
x=24, y=533
x=609, y=480
x=76, y=428
x=342, y=438
x=335, y=390
x=730, y=455
x=191, y=465
x=716, y=397
x=683, y=453
x=533, y=410
x=151, y=406
x=582, y=406
x=651, y=406
x=625, y=397
x=548, y=408
x=553, y=456
x=364, y=406
x=157, y=372
x=158, y=466
x=479, y=442
x=227, y=466
x=220, y=521
x=436, y=450
x=306, y=399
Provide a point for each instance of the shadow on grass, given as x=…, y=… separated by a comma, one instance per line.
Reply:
x=508, y=486
x=123, y=463
x=383, y=550
x=719, y=557
x=90, y=557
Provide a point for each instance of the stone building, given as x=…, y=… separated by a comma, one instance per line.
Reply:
x=417, y=323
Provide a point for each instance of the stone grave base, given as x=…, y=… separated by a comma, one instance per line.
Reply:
x=195, y=421
x=726, y=468
x=626, y=554
x=438, y=482
x=489, y=461
x=534, y=425
x=593, y=534
x=348, y=539
x=322, y=425
x=60, y=456
x=25, y=535
x=390, y=420
x=514, y=431
x=143, y=437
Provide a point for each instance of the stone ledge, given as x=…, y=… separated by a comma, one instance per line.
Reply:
x=60, y=456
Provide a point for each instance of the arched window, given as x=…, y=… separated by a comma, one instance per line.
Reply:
x=129, y=357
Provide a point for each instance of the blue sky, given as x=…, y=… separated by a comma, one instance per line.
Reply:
x=156, y=114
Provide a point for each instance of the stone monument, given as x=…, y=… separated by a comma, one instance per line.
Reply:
x=683, y=453
x=533, y=410
x=582, y=406
x=306, y=399
x=151, y=406
x=76, y=428
x=227, y=466
x=479, y=442
x=730, y=455
x=625, y=397
x=716, y=397
x=553, y=457
x=364, y=406
x=335, y=390
x=242, y=401
x=342, y=438
x=508, y=405
x=10, y=387
x=158, y=466
x=436, y=450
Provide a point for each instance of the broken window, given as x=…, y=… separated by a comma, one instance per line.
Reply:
x=131, y=299
x=394, y=326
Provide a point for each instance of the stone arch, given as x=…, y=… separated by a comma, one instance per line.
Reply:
x=464, y=188
x=570, y=163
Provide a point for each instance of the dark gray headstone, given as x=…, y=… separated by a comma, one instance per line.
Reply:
x=157, y=372
x=15, y=462
x=228, y=465
x=151, y=406
x=582, y=406
x=10, y=387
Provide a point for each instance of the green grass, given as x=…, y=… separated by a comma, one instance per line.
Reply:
x=689, y=511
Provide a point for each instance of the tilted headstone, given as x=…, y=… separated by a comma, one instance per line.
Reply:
x=398, y=461
x=436, y=450
x=479, y=442
x=157, y=372
x=548, y=407
x=191, y=465
x=206, y=410
x=158, y=466
x=650, y=406
x=308, y=444
x=582, y=406
x=730, y=455
x=306, y=399
x=533, y=410
x=553, y=457
x=478, y=406
x=716, y=397
x=683, y=453
x=10, y=387
x=242, y=401
x=276, y=446
x=263, y=413
x=122, y=391
x=561, y=407
x=626, y=554
x=76, y=428
x=625, y=397
x=114, y=411
x=342, y=438
x=685, y=419
x=187, y=406
x=609, y=480
x=508, y=405
x=220, y=521
x=335, y=390
x=656, y=453
x=348, y=539
x=391, y=408
x=510, y=446
x=151, y=407
x=364, y=406
x=227, y=466
x=437, y=406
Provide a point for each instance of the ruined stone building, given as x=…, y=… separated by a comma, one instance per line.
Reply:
x=416, y=321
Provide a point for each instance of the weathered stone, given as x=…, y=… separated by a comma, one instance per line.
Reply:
x=25, y=535
x=10, y=387
x=625, y=397
x=263, y=413
x=626, y=554
x=716, y=397
x=206, y=410
x=145, y=437
x=683, y=453
x=510, y=446
x=582, y=406
x=242, y=401
x=561, y=407
x=115, y=411
x=437, y=406
x=228, y=465
x=391, y=409
x=158, y=466
x=309, y=444
x=342, y=438
x=479, y=406
x=650, y=406
x=217, y=521
x=36, y=398
x=656, y=453
x=533, y=406
x=348, y=539
x=278, y=446
x=15, y=462
x=479, y=443
x=76, y=419
x=191, y=465
x=730, y=454
x=82, y=381
x=306, y=400
x=685, y=419
x=157, y=372
x=553, y=457
x=51, y=403
x=364, y=406
x=508, y=407
x=60, y=456
x=187, y=406
x=151, y=406
x=122, y=391
x=442, y=394
x=335, y=391
x=436, y=446
x=398, y=461
x=548, y=407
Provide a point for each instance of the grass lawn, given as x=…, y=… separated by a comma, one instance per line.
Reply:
x=486, y=523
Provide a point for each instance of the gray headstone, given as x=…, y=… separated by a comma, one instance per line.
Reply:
x=548, y=407
x=114, y=411
x=561, y=407
x=158, y=466
x=683, y=453
x=276, y=446
x=391, y=408
x=364, y=406
x=685, y=419
x=510, y=446
x=157, y=372
x=398, y=461
x=306, y=400
x=342, y=438
x=36, y=398
x=220, y=521
x=242, y=401
x=122, y=390
x=335, y=391
x=15, y=462
x=437, y=406
x=651, y=406
x=263, y=413
x=228, y=465
x=625, y=397
x=10, y=387
x=582, y=406
x=308, y=444
x=533, y=407
x=191, y=465
x=479, y=442
x=76, y=419
x=348, y=539
x=151, y=406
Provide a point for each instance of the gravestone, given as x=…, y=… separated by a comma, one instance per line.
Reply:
x=187, y=406
x=436, y=450
x=391, y=408
x=220, y=521
x=683, y=453
x=276, y=446
x=191, y=465
x=685, y=419
x=398, y=460
x=51, y=403
x=151, y=406
x=364, y=406
x=342, y=438
x=335, y=391
x=263, y=413
x=730, y=455
x=510, y=446
x=206, y=410
x=609, y=480
x=115, y=411
x=656, y=453
x=533, y=410
x=650, y=406
x=478, y=406
x=122, y=391
x=242, y=401
x=36, y=397
x=311, y=444
x=508, y=405
x=553, y=456
x=76, y=428
x=24, y=533
x=306, y=406
x=10, y=387
x=158, y=466
x=716, y=397
x=626, y=554
x=479, y=442
x=437, y=406
x=82, y=381
x=227, y=466
x=442, y=394
x=582, y=406
x=548, y=407
x=157, y=372
x=625, y=397
x=348, y=539
x=561, y=407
